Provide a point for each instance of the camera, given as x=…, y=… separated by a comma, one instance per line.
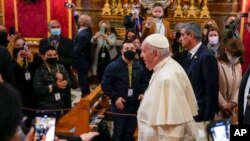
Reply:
x=68, y=5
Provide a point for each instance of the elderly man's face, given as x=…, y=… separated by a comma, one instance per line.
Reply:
x=147, y=53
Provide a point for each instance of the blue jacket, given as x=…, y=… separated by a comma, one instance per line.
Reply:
x=115, y=82
x=204, y=77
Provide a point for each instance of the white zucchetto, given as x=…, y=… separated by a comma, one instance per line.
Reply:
x=157, y=40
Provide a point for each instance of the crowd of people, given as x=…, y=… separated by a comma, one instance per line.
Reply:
x=166, y=80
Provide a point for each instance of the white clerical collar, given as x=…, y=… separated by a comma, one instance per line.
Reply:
x=161, y=64
x=82, y=28
x=194, y=50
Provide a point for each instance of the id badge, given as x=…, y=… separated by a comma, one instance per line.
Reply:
x=57, y=96
x=130, y=92
x=27, y=76
x=103, y=55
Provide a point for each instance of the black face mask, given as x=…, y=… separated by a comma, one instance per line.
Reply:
x=51, y=61
x=130, y=55
x=3, y=37
x=227, y=26
x=16, y=51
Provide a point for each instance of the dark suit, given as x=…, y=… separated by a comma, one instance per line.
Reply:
x=133, y=24
x=64, y=50
x=82, y=54
x=241, y=98
x=204, y=76
x=6, y=66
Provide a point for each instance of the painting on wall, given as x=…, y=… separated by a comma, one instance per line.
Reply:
x=92, y=5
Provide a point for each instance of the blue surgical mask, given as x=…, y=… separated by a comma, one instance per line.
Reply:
x=55, y=31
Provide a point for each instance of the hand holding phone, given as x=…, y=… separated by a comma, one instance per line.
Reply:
x=102, y=30
x=45, y=127
x=68, y=5
x=219, y=130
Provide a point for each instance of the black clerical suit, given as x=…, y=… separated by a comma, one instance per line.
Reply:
x=244, y=117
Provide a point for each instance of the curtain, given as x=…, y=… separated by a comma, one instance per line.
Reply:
x=31, y=18
x=246, y=36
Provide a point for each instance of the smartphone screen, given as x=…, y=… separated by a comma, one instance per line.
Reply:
x=219, y=130
x=45, y=127
x=102, y=30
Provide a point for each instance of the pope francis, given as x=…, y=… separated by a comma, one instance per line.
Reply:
x=167, y=109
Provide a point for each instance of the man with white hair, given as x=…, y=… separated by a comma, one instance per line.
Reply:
x=82, y=53
x=167, y=109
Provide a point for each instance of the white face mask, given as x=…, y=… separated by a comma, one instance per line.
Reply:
x=214, y=40
x=231, y=59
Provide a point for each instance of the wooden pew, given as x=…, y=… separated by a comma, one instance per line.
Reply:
x=79, y=116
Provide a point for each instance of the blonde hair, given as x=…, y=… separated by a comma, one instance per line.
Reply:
x=12, y=42
x=214, y=24
x=107, y=23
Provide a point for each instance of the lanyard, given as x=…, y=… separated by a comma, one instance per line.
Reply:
x=130, y=76
x=26, y=63
x=159, y=29
x=57, y=68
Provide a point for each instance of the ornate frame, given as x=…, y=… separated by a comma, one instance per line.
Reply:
x=147, y=4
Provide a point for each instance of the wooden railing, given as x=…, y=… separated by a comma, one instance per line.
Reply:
x=78, y=118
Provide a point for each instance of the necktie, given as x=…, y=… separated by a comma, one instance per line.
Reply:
x=138, y=24
x=246, y=119
x=188, y=61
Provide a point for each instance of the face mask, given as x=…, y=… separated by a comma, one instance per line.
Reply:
x=213, y=40
x=130, y=55
x=231, y=59
x=51, y=61
x=55, y=31
x=16, y=51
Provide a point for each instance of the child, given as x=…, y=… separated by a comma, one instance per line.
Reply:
x=156, y=24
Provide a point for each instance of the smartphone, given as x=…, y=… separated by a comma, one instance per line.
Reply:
x=12, y=30
x=219, y=130
x=244, y=15
x=102, y=30
x=26, y=46
x=68, y=5
x=45, y=127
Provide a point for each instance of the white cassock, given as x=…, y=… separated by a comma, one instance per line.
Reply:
x=169, y=104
